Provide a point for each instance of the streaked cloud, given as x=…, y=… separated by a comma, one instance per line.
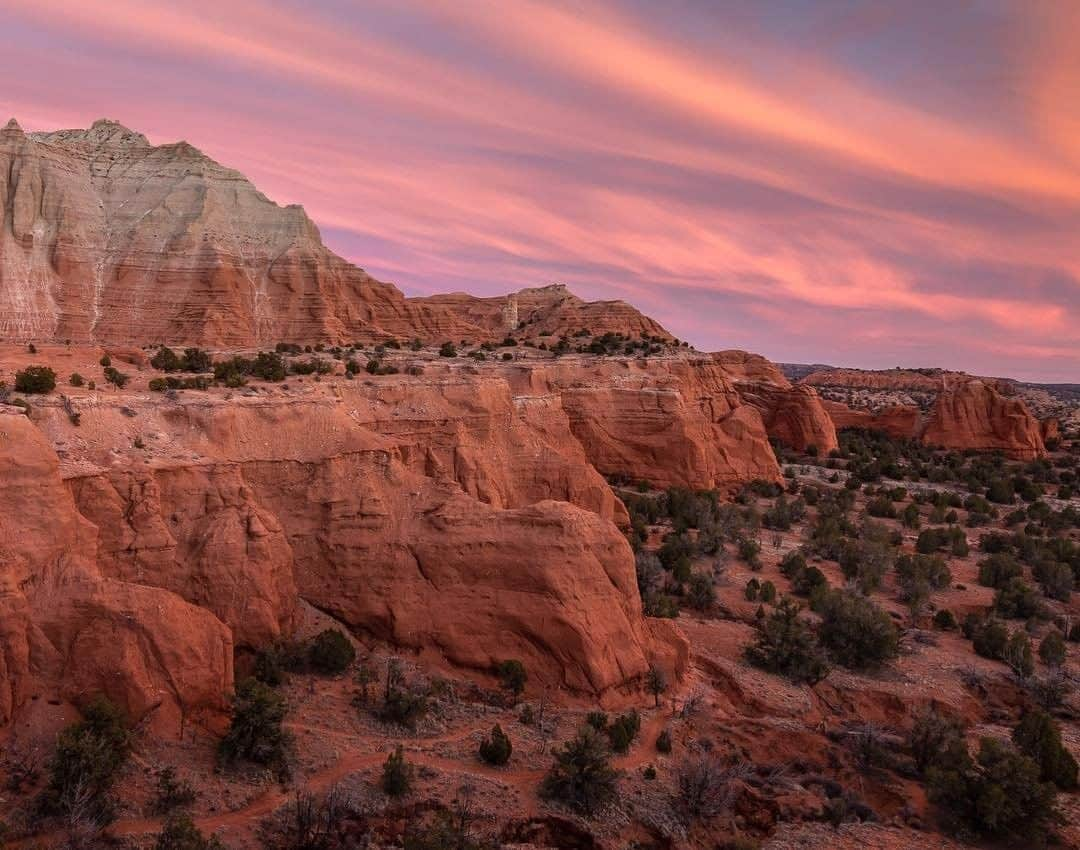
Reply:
x=828, y=181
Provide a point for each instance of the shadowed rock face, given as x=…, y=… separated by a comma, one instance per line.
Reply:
x=106, y=238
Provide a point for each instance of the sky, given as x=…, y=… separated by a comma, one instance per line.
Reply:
x=871, y=184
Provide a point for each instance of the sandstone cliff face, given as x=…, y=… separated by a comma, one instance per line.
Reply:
x=974, y=415
x=794, y=415
x=674, y=421
x=452, y=512
x=75, y=632
x=106, y=238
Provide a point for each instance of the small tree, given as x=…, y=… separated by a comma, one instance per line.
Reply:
x=934, y=737
x=622, y=731
x=582, y=776
x=785, y=644
x=512, y=675
x=35, y=379
x=1052, y=649
x=496, y=749
x=331, y=652
x=256, y=733
x=180, y=833
x=89, y=755
x=856, y=632
x=1039, y=738
x=1018, y=655
x=397, y=775
x=704, y=786
x=656, y=683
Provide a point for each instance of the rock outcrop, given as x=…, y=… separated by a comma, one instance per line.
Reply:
x=899, y=421
x=106, y=238
x=974, y=415
x=794, y=415
x=75, y=632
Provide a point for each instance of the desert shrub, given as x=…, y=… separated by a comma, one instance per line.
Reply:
x=663, y=742
x=655, y=683
x=1018, y=654
x=496, y=748
x=1056, y=580
x=172, y=792
x=752, y=589
x=582, y=776
x=785, y=644
x=792, y=563
x=808, y=581
x=702, y=783
x=115, y=376
x=274, y=663
x=1052, y=649
x=622, y=731
x=331, y=652
x=180, y=833
x=166, y=360
x=270, y=366
x=935, y=739
x=882, y=507
x=404, y=707
x=512, y=676
x=397, y=775
x=944, y=619
x=448, y=349
x=35, y=379
x=1016, y=599
x=76, y=380
x=856, y=632
x=701, y=594
x=997, y=795
x=1038, y=737
x=768, y=592
x=255, y=731
x=158, y=385
x=999, y=569
x=749, y=551
x=989, y=637
x=88, y=757
x=928, y=569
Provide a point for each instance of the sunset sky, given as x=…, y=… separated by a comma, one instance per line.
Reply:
x=855, y=183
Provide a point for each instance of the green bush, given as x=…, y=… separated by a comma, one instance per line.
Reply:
x=115, y=377
x=663, y=742
x=35, y=379
x=989, y=638
x=76, y=380
x=448, y=349
x=397, y=775
x=1016, y=599
x=1052, y=649
x=856, y=632
x=331, y=652
x=512, y=676
x=622, y=731
x=180, y=833
x=255, y=732
x=496, y=749
x=999, y=569
x=785, y=645
x=1039, y=738
x=172, y=792
x=404, y=708
x=582, y=776
x=996, y=795
x=88, y=758
x=935, y=739
x=166, y=360
x=945, y=620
